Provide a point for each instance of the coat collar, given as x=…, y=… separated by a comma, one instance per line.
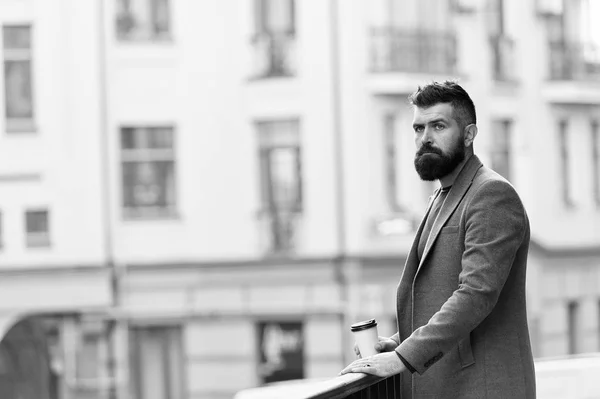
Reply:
x=459, y=188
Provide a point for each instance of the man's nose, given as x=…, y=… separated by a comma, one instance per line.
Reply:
x=427, y=137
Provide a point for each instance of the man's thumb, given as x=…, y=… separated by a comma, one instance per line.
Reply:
x=378, y=347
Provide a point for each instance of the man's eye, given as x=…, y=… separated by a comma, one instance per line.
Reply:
x=419, y=129
x=439, y=126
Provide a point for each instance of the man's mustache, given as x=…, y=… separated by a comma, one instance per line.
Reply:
x=428, y=149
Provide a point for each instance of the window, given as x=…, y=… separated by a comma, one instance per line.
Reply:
x=407, y=14
x=399, y=42
x=37, y=228
x=574, y=330
x=589, y=33
x=143, y=20
x=564, y=162
x=501, y=147
x=88, y=358
x=280, y=165
x=502, y=45
x=18, y=85
x=500, y=17
x=281, y=180
x=391, y=162
x=274, y=38
x=148, y=171
x=596, y=160
x=275, y=16
x=157, y=362
x=281, y=350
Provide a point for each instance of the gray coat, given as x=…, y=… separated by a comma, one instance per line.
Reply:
x=462, y=320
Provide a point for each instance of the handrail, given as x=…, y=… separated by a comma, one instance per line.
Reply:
x=343, y=386
x=570, y=60
x=351, y=385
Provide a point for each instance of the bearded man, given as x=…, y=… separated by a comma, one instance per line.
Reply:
x=461, y=311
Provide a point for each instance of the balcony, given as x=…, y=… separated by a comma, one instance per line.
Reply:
x=279, y=231
x=574, y=73
x=401, y=58
x=412, y=51
x=503, y=58
x=352, y=386
x=574, y=61
x=274, y=55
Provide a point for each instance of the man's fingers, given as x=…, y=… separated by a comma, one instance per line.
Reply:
x=349, y=368
x=359, y=367
x=356, y=350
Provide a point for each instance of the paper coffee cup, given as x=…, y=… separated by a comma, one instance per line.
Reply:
x=365, y=334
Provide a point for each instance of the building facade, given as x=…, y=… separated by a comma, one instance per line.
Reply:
x=192, y=191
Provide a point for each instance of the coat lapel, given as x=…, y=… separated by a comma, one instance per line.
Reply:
x=459, y=188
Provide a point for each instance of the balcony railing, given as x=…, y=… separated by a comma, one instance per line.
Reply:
x=574, y=61
x=416, y=51
x=503, y=58
x=279, y=230
x=274, y=54
x=352, y=386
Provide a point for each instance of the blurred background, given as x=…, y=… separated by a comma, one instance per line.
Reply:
x=200, y=196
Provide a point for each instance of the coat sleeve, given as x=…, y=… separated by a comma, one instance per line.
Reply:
x=495, y=227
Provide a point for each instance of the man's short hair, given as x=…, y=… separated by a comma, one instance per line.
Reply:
x=448, y=92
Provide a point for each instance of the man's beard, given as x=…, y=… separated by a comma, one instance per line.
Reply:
x=433, y=167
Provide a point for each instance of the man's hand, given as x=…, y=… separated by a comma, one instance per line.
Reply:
x=385, y=344
x=381, y=365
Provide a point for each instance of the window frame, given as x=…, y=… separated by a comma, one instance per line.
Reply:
x=284, y=325
x=573, y=326
x=151, y=156
x=170, y=336
x=125, y=14
x=37, y=239
x=265, y=151
x=502, y=149
x=564, y=160
x=14, y=55
x=391, y=156
x=262, y=20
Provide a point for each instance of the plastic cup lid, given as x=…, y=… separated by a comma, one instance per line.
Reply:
x=363, y=325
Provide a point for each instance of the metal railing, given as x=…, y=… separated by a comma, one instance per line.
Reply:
x=368, y=387
x=503, y=58
x=274, y=54
x=404, y=50
x=352, y=386
x=279, y=230
x=574, y=61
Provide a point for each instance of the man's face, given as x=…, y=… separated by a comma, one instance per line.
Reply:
x=439, y=140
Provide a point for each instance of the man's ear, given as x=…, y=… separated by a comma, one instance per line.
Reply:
x=470, y=134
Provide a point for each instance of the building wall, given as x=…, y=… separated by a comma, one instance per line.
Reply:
x=56, y=165
x=202, y=83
